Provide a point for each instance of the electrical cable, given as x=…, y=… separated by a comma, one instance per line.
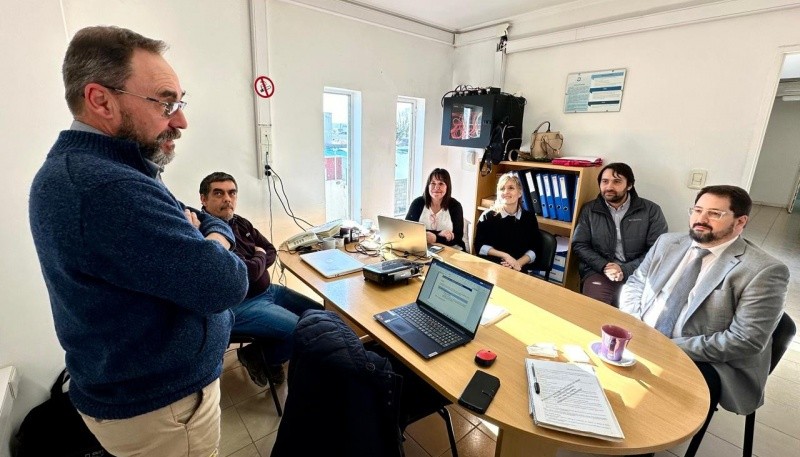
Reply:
x=286, y=206
x=277, y=266
x=274, y=179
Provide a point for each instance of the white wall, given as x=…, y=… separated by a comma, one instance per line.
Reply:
x=210, y=51
x=779, y=162
x=209, y=48
x=692, y=99
x=474, y=66
x=310, y=50
x=33, y=110
x=33, y=36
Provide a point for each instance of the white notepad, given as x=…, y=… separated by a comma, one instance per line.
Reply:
x=570, y=399
x=492, y=314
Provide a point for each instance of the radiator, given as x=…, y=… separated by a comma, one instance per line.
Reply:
x=9, y=387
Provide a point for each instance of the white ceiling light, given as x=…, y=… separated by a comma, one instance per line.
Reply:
x=791, y=98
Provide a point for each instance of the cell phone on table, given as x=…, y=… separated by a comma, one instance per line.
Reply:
x=480, y=392
x=435, y=249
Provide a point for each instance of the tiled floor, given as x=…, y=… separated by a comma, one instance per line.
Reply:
x=250, y=422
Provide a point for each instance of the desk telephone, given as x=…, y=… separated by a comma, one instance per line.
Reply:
x=313, y=235
x=301, y=240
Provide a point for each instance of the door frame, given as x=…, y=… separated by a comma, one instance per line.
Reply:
x=764, y=112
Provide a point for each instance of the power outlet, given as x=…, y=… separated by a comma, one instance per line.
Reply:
x=265, y=142
x=697, y=178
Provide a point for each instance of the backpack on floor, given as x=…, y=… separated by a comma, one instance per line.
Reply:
x=55, y=429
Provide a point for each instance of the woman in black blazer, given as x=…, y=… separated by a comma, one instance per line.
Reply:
x=442, y=214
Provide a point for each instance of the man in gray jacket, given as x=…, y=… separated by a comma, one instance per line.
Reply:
x=613, y=233
x=717, y=296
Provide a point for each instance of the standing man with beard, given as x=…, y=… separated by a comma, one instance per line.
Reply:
x=717, y=296
x=140, y=287
x=613, y=233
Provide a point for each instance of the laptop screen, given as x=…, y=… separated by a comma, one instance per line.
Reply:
x=403, y=235
x=456, y=294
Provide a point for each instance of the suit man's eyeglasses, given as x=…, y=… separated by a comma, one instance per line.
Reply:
x=713, y=214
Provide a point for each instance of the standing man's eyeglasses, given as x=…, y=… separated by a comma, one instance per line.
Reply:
x=170, y=108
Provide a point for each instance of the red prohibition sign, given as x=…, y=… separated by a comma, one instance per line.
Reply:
x=264, y=87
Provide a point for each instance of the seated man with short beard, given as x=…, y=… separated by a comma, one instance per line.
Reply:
x=717, y=296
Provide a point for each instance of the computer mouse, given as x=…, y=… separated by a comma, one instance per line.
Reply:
x=485, y=358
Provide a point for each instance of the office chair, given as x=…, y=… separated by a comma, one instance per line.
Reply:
x=341, y=396
x=417, y=398
x=356, y=397
x=781, y=338
x=544, y=260
x=241, y=340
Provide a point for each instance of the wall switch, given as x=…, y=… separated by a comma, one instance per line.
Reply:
x=697, y=178
x=468, y=162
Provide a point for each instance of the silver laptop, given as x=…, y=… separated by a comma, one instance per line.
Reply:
x=332, y=263
x=402, y=236
x=446, y=314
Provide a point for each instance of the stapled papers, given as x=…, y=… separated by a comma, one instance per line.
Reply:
x=570, y=399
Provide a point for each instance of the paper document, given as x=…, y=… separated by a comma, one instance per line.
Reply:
x=492, y=313
x=570, y=399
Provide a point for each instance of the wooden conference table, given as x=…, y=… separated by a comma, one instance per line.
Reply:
x=660, y=401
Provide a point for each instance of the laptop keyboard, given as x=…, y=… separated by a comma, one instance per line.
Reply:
x=432, y=328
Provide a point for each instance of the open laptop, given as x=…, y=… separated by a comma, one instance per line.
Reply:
x=404, y=236
x=446, y=314
x=332, y=263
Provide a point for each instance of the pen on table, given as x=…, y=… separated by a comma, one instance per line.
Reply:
x=535, y=381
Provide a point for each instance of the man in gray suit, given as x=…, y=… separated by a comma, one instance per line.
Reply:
x=717, y=296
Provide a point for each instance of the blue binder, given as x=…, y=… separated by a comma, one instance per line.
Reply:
x=548, y=194
x=556, y=192
x=542, y=195
x=567, y=189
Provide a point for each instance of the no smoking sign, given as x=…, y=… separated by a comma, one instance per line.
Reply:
x=264, y=87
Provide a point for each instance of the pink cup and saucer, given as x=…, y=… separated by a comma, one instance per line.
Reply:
x=612, y=348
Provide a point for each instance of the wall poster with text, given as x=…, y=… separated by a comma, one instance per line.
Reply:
x=594, y=91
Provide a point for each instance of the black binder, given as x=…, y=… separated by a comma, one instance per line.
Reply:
x=527, y=204
x=533, y=192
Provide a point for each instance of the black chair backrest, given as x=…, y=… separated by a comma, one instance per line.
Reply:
x=544, y=259
x=341, y=395
x=781, y=338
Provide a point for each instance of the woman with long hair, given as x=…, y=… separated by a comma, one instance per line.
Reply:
x=442, y=214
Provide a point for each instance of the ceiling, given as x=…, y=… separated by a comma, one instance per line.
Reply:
x=457, y=15
x=464, y=15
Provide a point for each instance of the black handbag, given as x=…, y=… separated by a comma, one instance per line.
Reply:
x=55, y=429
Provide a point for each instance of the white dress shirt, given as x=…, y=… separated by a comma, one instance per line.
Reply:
x=651, y=316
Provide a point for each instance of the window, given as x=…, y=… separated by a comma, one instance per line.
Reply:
x=408, y=152
x=341, y=116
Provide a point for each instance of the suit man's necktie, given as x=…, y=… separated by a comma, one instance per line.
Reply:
x=680, y=294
